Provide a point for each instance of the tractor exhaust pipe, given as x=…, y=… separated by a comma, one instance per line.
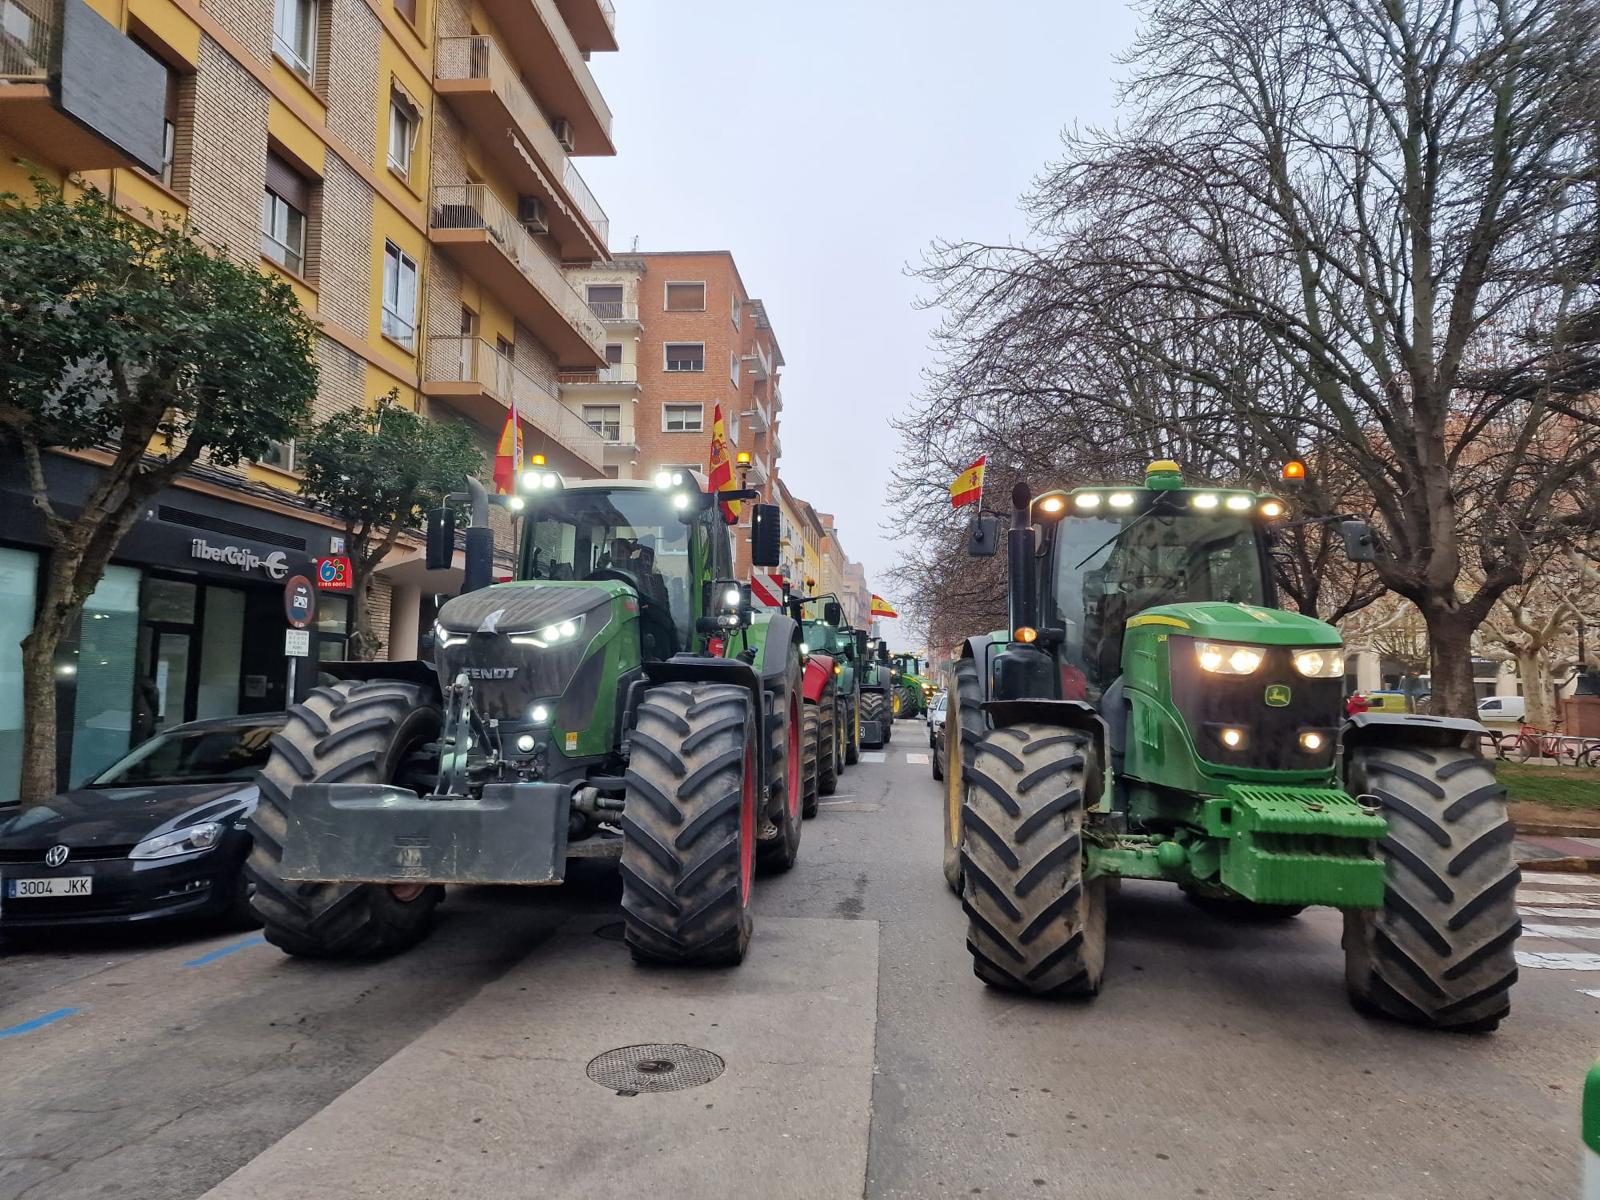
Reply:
x=1020, y=561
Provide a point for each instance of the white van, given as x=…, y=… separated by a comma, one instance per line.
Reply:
x=1502, y=710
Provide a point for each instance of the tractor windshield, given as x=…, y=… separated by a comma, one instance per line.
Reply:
x=1108, y=569
x=632, y=536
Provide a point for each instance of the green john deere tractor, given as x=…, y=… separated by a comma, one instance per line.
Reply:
x=1152, y=714
x=877, y=695
x=618, y=700
x=913, y=686
x=833, y=739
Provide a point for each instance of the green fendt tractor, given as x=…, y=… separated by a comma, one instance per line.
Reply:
x=833, y=739
x=618, y=700
x=1152, y=714
x=877, y=695
x=913, y=687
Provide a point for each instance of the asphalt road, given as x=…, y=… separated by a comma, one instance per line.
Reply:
x=860, y=1055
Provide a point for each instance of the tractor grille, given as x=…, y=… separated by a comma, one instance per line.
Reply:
x=1210, y=703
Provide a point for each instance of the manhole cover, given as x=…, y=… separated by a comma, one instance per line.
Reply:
x=612, y=932
x=654, y=1068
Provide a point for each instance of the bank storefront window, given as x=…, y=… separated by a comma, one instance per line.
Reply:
x=18, y=570
x=102, y=671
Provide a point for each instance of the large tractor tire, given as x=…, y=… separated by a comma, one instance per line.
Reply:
x=830, y=750
x=852, y=744
x=1035, y=924
x=787, y=775
x=875, y=707
x=1441, y=951
x=689, y=826
x=965, y=723
x=811, y=737
x=384, y=732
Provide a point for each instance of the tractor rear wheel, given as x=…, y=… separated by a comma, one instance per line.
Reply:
x=384, y=732
x=1035, y=923
x=689, y=825
x=965, y=723
x=1441, y=950
x=810, y=737
x=852, y=743
x=875, y=707
x=788, y=776
x=828, y=745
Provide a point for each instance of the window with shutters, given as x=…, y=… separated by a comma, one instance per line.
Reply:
x=685, y=356
x=683, y=418
x=284, y=205
x=686, y=297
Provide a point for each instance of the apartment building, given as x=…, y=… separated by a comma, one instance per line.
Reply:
x=407, y=166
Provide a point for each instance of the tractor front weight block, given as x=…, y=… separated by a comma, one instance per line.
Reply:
x=513, y=833
x=1298, y=845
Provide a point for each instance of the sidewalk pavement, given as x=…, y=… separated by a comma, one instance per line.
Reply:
x=1554, y=853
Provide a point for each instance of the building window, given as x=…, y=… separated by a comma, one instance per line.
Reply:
x=399, y=296
x=404, y=120
x=686, y=356
x=279, y=455
x=737, y=310
x=686, y=297
x=169, y=116
x=604, y=419
x=294, y=34
x=605, y=301
x=284, y=205
x=614, y=354
x=683, y=418
x=733, y=368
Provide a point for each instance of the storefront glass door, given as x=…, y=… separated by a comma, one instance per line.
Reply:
x=17, y=571
x=101, y=671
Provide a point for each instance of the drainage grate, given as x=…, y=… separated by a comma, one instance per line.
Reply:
x=613, y=932
x=630, y=1070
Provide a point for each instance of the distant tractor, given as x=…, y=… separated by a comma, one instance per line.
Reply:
x=832, y=699
x=619, y=700
x=913, y=687
x=1152, y=714
x=877, y=695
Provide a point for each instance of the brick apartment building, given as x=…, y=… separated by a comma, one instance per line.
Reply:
x=683, y=335
x=407, y=166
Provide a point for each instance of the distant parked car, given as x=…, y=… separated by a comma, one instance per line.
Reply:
x=1503, y=710
x=935, y=714
x=936, y=739
x=158, y=834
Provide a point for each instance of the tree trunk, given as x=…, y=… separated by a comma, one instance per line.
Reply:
x=1534, y=674
x=1450, y=656
x=364, y=644
x=38, y=782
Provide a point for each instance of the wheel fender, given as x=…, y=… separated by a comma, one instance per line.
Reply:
x=1379, y=729
x=819, y=670
x=782, y=640
x=982, y=648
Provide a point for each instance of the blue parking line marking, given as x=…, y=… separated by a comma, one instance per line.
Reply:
x=224, y=951
x=37, y=1022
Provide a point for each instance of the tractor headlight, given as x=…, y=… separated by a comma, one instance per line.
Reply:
x=443, y=637
x=557, y=633
x=1319, y=664
x=805, y=649
x=1221, y=658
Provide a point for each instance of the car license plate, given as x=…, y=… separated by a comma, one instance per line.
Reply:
x=34, y=889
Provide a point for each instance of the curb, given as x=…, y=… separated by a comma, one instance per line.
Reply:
x=1573, y=866
x=1535, y=829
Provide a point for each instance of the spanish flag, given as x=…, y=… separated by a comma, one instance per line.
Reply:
x=721, y=476
x=881, y=607
x=968, y=486
x=508, y=454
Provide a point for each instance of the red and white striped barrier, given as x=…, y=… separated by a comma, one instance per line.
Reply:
x=766, y=589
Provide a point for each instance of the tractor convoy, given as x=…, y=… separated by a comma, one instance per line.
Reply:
x=619, y=698
x=1150, y=713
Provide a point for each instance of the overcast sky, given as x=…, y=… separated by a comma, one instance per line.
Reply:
x=826, y=143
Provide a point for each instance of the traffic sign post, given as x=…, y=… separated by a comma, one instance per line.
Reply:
x=300, y=610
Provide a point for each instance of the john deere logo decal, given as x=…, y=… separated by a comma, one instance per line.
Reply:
x=1278, y=695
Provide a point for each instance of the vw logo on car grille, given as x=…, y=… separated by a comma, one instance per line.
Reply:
x=56, y=856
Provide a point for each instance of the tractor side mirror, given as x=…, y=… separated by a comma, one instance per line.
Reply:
x=441, y=538
x=832, y=614
x=766, y=536
x=478, y=571
x=983, y=539
x=1359, y=544
x=861, y=644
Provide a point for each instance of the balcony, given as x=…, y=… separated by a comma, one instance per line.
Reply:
x=480, y=383
x=618, y=375
x=545, y=53
x=75, y=91
x=593, y=23
x=472, y=226
x=615, y=312
x=476, y=79
x=759, y=364
x=757, y=417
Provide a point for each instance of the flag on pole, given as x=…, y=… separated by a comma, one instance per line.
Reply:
x=881, y=607
x=508, y=454
x=721, y=475
x=968, y=486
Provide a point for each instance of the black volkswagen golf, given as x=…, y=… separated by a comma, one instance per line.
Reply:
x=158, y=834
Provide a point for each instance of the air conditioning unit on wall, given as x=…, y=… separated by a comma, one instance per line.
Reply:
x=532, y=214
x=564, y=135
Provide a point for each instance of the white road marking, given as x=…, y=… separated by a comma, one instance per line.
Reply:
x=873, y=756
x=1573, y=898
x=1580, y=914
x=1595, y=992
x=917, y=760
x=1573, y=932
x=1574, y=879
x=1577, y=960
